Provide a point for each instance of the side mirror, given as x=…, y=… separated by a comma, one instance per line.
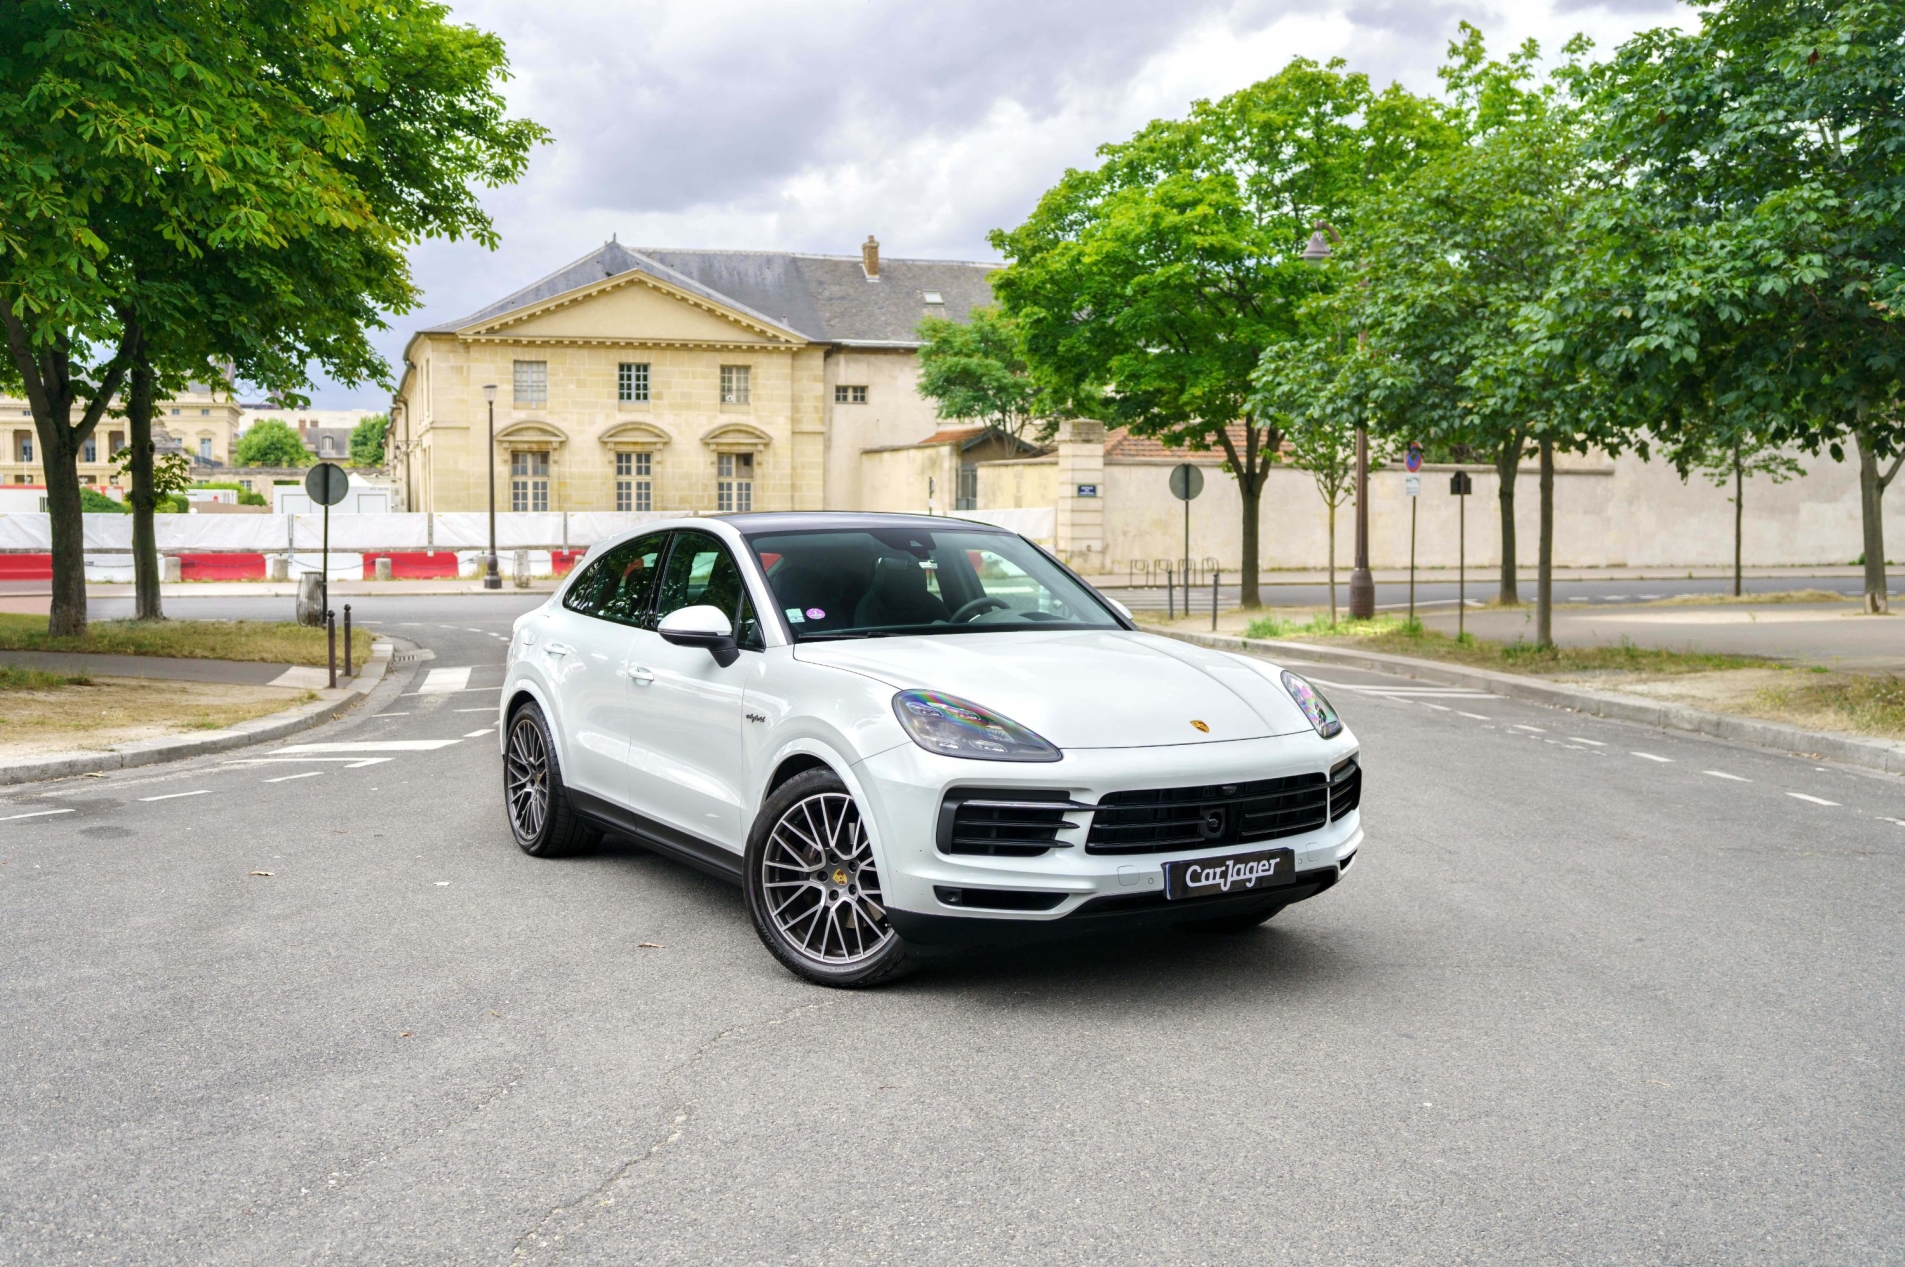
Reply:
x=1121, y=609
x=701, y=626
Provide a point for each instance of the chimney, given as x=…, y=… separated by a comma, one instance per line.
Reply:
x=870, y=258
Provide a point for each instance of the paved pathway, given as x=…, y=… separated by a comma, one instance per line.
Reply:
x=170, y=668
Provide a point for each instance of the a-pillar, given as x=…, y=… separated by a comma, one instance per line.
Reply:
x=1079, y=534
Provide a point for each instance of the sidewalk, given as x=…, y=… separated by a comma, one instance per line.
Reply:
x=168, y=668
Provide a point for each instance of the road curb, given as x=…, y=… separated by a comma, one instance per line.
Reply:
x=176, y=747
x=1869, y=754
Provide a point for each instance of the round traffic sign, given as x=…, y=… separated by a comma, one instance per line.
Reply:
x=1187, y=481
x=327, y=483
x=1414, y=460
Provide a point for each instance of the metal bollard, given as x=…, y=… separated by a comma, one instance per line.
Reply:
x=330, y=638
x=1214, y=575
x=1170, y=595
x=347, y=639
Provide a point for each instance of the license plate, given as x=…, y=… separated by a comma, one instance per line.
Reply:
x=1229, y=876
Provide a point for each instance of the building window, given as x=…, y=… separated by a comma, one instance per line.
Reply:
x=967, y=496
x=734, y=385
x=933, y=297
x=734, y=483
x=845, y=395
x=205, y=448
x=115, y=441
x=631, y=381
x=532, y=383
x=175, y=413
x=529, y=480
x=23, y=446
x=89, y=451
x=204, y=413
x=634, y=481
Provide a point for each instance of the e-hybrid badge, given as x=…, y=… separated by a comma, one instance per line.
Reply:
x=1238, y=873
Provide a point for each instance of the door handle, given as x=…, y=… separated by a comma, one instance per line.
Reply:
x=557, y=648
x=642, y=674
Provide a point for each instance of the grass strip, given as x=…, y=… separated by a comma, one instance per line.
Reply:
x=268, y=642
x=1409, y=638
x=35, y=680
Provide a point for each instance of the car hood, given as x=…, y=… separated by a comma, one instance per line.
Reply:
x=1084, y=688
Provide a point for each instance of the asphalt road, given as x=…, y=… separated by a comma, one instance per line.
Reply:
x=1481, y=587
x=1592, y=993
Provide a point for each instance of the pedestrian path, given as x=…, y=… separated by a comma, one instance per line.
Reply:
x=168, y=668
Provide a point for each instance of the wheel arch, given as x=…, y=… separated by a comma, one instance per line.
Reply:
x=527, y=691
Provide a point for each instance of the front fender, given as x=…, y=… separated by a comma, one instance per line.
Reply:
x=524, y=680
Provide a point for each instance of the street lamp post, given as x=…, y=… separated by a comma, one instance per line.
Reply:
x=492, y=579
x=1362, y=584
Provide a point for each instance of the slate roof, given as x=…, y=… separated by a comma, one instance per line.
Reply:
x=824, y=298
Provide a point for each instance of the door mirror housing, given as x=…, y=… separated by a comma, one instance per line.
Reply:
x=701, y=626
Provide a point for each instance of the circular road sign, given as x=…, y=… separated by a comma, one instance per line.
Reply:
x=1187, y=481
x=1414, y=460
x=327, y=483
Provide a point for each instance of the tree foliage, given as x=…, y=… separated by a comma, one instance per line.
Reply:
x=271, y=442
x=367, y=441
x=1149, y=287
x=976, y=369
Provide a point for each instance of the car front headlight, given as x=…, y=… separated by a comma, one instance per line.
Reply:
x=1314, y=706
x=953, y=727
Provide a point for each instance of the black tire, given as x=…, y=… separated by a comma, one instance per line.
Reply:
x=1241, y=922
x=824, y=887
x=536, y=802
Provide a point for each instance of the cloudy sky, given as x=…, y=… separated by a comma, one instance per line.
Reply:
x=807, y=124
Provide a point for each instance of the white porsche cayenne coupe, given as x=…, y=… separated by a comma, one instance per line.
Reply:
x=901, y=733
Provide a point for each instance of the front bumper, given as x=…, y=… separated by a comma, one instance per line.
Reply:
x=904, y=787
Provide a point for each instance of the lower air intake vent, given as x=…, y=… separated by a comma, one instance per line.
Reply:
x=1160, y=820
x=1003, y=822
x=1346, y=788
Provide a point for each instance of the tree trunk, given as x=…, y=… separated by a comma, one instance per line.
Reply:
x=1739, y=513
x=1544, y=566
x=67, y=616
x=1507, y=462
x=1251, y=490
x=1332, y=563
x=145, y=544
x=1872, y=512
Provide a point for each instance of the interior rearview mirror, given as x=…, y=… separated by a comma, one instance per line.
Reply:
x=701, y=626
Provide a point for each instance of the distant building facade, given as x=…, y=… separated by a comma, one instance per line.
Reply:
x=203, y=423
x=673, y=380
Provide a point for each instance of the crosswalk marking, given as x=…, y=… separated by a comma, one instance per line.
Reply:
x=369, y=745
x=444, y=681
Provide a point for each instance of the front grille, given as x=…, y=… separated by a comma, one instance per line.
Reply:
x=1346, y=788
x=1160, y=820
x=1002, y=822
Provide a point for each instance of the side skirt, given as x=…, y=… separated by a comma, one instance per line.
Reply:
x=696, y=852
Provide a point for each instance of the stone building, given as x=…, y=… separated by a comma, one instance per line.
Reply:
x=674, y=380
x=204, y=423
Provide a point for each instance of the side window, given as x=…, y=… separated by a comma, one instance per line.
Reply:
x=617, y=586
x=700, y=570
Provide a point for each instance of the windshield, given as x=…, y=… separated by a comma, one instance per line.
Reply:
x=865, y=583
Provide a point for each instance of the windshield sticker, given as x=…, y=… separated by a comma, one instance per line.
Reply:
x=814, y=613
x=794, y=617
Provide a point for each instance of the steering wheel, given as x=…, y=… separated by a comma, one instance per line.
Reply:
x=985, y=603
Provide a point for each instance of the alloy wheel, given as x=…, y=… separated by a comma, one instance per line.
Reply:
x=823, y=893
x=526, y=778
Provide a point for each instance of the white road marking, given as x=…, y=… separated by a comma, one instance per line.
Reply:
x=1900, y=821
x=494, y=690
x=1518, y=726
x=371, y=745
x=476, y=631
x=351, y=763
x=443, y=681
x=285, y=778
x=1440, y=708
x=38, y=813
x=173, y=796
x=1593, y=743
x=1648, y=756
x=390, y=714
x=304, y=676
x=1722, y=774
x=1816, y=800
x=1470, y=716
x=472, y=710
x=478, y=734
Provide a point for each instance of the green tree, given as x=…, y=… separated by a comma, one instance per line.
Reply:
x=1149, y=287
x=1750, y=257
x=1449, y=260
x=271, y=442
x=1727, y=451
x=977, y=369
x=222, y=180
x=97, y=503
x=367, y=440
